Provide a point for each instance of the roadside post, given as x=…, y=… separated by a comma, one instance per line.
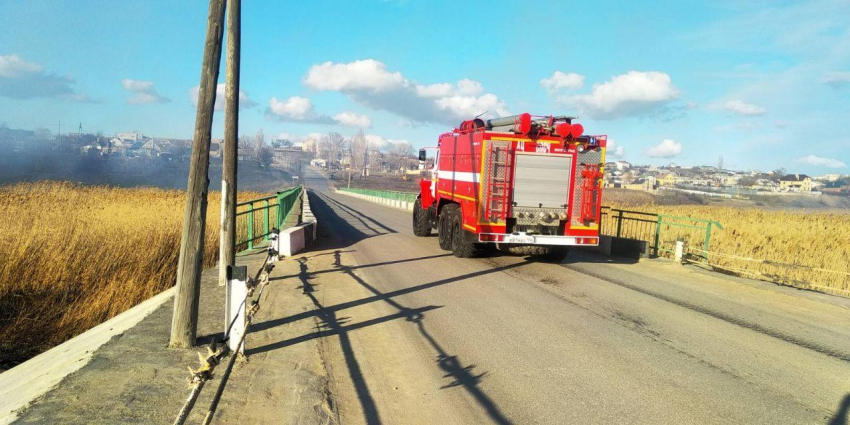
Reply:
x=235, y=301
x=680, y=251
x=229, y=155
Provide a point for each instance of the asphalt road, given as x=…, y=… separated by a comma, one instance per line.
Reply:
x=415, y=335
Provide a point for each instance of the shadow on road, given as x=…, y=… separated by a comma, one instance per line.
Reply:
x=350, y=226
x=452, y=365
x=842, y=415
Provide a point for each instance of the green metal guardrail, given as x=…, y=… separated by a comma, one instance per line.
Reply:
x=256, y=218
x=660, y=230
x=386, y=194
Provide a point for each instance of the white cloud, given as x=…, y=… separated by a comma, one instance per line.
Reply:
x=666, y=149
x=294, y=108
x=143, y=92
x=821, y=161
x=382, y=143
x=743, y=108
x=560, y=81
x=369, y=83
x=353, y=119
x=837, y=79
x=297, y=137
x=12, y=66
x=244, y=100
x=20, y=79
x=614, y=150
x=367, y=74
x=301, y=109
x=631, y=94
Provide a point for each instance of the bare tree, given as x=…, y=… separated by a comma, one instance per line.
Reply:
x=360, y=147
x=331, y=146
x=246, y=147
x=259, y=144
x=398, y=153
x=265, y=156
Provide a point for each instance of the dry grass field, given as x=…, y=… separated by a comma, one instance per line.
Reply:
x=803, y=248
x=74, y=256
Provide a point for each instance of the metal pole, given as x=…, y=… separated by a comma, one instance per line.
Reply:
x=184, y=322
x=229, y=159
x=619, y=222
x=251, y=226
x=266, y=220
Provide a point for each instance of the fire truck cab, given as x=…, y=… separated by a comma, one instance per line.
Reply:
x=528, y=185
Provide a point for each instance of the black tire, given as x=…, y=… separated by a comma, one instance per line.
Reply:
x=444, y=228
x=548, y=252
x=461, y=246
x=421, y=221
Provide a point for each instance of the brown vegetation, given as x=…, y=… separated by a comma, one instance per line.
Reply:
x=808, y=249
x=74, y=256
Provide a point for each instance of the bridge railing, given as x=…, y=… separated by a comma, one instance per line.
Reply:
x=386, y=194
x=628, y=224
x=661, y=231
x=256, y=218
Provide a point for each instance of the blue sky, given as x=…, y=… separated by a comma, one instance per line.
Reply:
x=764, y=84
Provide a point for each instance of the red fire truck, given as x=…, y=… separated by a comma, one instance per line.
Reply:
x=531, y=185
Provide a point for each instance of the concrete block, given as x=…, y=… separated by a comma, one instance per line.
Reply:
x=295, y=239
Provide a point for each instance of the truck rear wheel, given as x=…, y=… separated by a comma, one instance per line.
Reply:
x=444, y=227
x=421, y=222
x=549, y=252
x=461, y=246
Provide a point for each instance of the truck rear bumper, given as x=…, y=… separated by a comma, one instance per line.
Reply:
x=526, y=239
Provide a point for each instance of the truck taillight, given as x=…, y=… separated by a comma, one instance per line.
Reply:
x=484, y=237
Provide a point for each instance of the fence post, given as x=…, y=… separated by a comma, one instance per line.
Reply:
x=619, y=222
x=680, y=251
x=266, y=221
x=251, y=225
x=279, y=219
x=658, y=234
x=707, y=239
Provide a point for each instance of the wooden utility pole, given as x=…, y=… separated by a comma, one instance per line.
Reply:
x=184, y=323
x=227, y=240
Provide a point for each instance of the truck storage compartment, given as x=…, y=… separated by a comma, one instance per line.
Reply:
x=541, y=180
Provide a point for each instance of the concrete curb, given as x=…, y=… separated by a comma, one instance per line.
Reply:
x=31, y=379
x=402, y=205
x=297, y=238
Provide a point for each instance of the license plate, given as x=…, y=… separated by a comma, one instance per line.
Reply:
x=519, y=239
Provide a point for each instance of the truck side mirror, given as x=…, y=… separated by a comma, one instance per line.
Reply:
x=422, y=155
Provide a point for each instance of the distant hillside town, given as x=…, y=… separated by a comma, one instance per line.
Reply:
x=718, y=181
x=367, y=154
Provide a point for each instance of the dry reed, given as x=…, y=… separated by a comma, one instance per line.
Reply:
x=75, y=256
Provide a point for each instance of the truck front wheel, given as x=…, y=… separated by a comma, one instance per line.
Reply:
x=444, y=226
x=421, y=222
x=461, y=246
